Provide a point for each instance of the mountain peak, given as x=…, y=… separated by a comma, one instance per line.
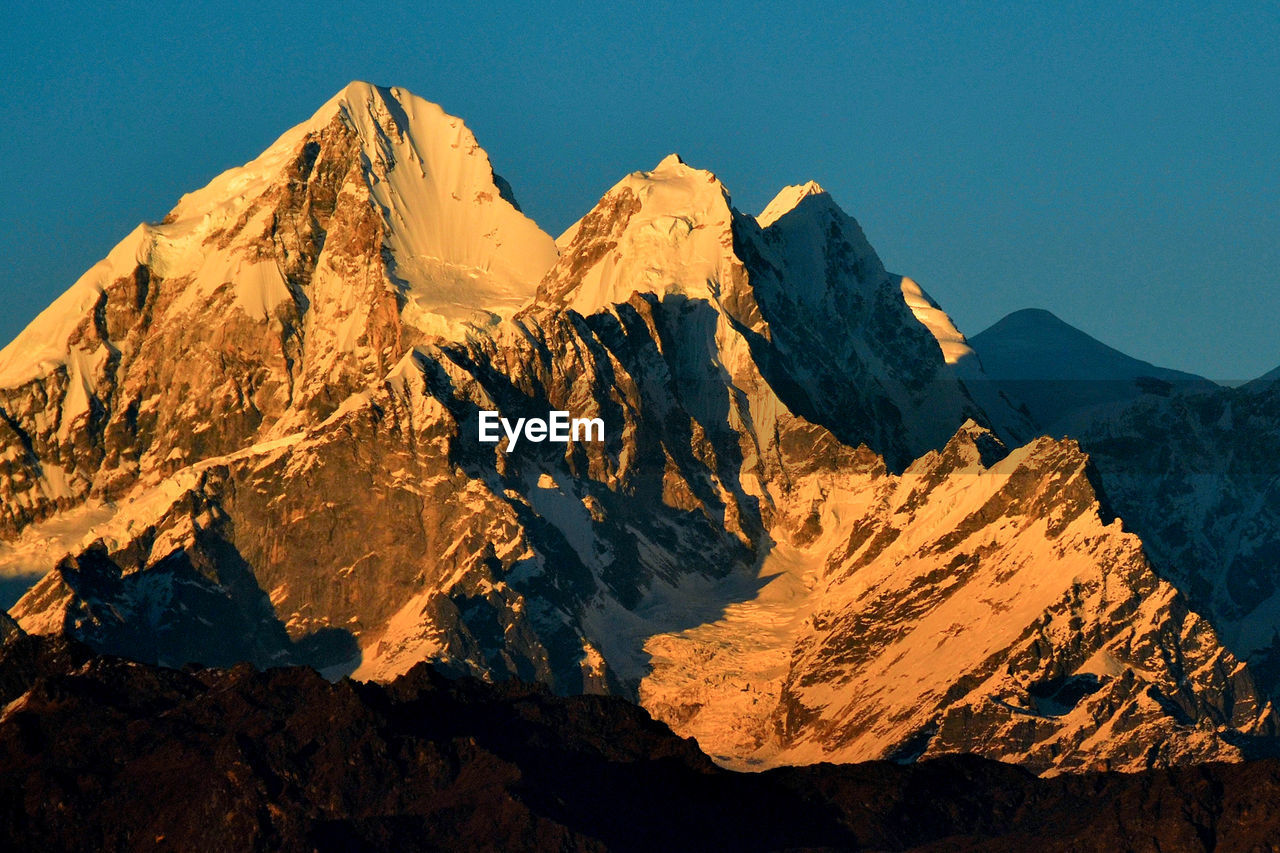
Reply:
x=357, y=89
x=1035, y=344
x=457, y=238
x=1039, y=317
x=459, y=249
x=674, y=167
x=1060, y=372
x=808, y=208
x=787, y=199
x=285, y=285
x=975, y=446
x=661, y=231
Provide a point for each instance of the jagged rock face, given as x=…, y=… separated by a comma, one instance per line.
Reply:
x=170, y=587
x=8, y=628
x=970, y=605
x=1190, y=467
x=262, y=302
x=879, y=376
x=1195, y=475
x=550, y=562
x=267, y=412
x=829, y=329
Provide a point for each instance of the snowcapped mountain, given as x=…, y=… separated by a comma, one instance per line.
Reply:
x=1189, y=465
x=1063, y=375
x=880, y=376
x=1196, y=476
x=262, y=301
x=252, y=433
x=980, y=602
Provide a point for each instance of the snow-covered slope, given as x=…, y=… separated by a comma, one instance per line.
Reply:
x=1196, y=476
x=1189, y=466
x=258, y=439
x=666, y=231
x=804, y=300
x=954, y=346
x=459, y=243
x=974, y=604
x=263, y=300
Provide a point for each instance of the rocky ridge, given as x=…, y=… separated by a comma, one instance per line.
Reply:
x=983, y=601
x=786, y=423
x=1190, y=466
x=261, y=303
x=102, y=753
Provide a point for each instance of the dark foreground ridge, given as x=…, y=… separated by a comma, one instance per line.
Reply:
x=103, y=753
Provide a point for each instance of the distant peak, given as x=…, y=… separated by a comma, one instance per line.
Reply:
x=1034, y=344
x=663, y=231
x=1039, y=315
x=1034, y=324
x=673, y=167
x=358, y=88
x=787, y=199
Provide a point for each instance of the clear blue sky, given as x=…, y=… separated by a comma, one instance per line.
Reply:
x=1119, y=167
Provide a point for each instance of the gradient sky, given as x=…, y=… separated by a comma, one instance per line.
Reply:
x=1117, y=166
